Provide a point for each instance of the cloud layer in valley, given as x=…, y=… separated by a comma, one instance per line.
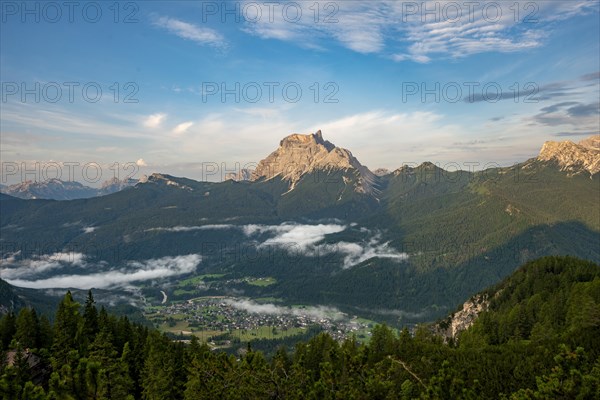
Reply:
x=316, y=313
x=307, y=240
x=38, y=264
x=134, y=271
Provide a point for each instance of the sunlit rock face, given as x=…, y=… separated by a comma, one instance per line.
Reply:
x=299, y=154
x=572, y=157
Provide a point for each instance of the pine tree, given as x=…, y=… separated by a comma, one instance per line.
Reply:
x=90, y=318
x=159, y=374
x=8, y=328
x=107, y=375
x=27, y=328
x=66, y=325
x=45, y=333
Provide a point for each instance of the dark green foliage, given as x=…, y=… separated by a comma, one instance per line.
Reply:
x=28, y=329
x=548, y=298
x=8, y=327
x=539, y=340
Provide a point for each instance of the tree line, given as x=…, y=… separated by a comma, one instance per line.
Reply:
x=538, y=339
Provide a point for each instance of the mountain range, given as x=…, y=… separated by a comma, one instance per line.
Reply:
x=56, y=189
x=406, y=245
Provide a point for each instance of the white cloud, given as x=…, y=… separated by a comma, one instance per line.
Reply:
x=39, y=264
x=155, y=120
x=411, y=137
x=195, y=33
x=419, y=135
x=305, y=239
x=301, y=237
x=356, y=253
x=315, y=313
x=422, y=59
x=89, y=229
x=182, y=128
x=135, y=271
x=141, y=163
x=191, y=228
x=382, y=27
x=358, y=26
x=54, y=117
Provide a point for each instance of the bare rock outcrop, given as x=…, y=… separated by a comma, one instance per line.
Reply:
x=162, y=179
x=461, y=320
x=299, y=154
x=574, y=158
x=243, y=174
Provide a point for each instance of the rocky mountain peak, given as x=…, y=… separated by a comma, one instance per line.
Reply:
x=381, y=172
x=244, y=174
x=115, y=185
x=299, y=140
x=52, y=188
x=299, y=154
x=162, y=179
x=591, y=143
x=572, y=157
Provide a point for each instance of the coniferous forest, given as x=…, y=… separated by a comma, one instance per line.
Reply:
x=539, y=339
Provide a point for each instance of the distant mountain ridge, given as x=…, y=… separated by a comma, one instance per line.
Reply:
x=300, y=155
x=56, y=189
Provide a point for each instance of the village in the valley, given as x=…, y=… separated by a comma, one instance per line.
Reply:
x=214, y=317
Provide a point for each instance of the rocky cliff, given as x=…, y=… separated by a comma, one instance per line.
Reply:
x=574, y=158
x=298, y=155
x=461, y=320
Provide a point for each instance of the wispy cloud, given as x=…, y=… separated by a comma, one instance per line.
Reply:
x=189, y=31
x=182, y=128
x=304, y=239
x=191, y=228
x=154, y=120
x=422, y=30
x=16, y=268
x=301, y=237
x=456, y=40
x=135, y=271
x=532, y=93
x=315, y=313
x=575, y=114
x=593, y=76
x=355, y=25
x=54, y=117
x=356, y=253
x=307, y=240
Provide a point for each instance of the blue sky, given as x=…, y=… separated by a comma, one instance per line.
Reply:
x=362, y=72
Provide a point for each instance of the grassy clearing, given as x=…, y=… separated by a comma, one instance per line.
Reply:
x=182, y=292
x=197, y=279
x=266, y=332
x=268, y=300
x=262, y=282
x=176, y=329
